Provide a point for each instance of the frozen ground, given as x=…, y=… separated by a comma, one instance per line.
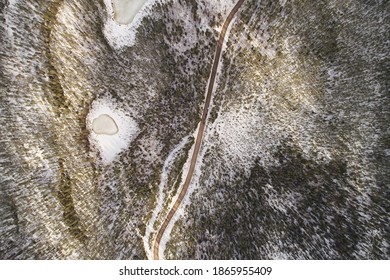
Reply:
x=122, y=19
x=126, y=10
x=109, y=146
x=280, y=149
x=161, y=197
x=296, y=150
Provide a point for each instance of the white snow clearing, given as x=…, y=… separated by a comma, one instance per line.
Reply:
x=110, y=145
x=122, y=19
x=125, y=10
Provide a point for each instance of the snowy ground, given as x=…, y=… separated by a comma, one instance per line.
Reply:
x=148, y=242
x=225, y=9
x=126, y=10
x=122, y=19
x=295, y=157
x=109, y=146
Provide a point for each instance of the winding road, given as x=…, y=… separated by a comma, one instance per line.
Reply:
x=202, y=126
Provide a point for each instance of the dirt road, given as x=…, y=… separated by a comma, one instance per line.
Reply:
x=202, y=126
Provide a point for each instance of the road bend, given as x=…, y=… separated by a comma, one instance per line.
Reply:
x=202, y=126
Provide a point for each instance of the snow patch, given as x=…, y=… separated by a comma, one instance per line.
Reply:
x=224, y=7
x=9, y=19
x=282, y=2
x=123, y=35
x=110, y=146
x=126, y=10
